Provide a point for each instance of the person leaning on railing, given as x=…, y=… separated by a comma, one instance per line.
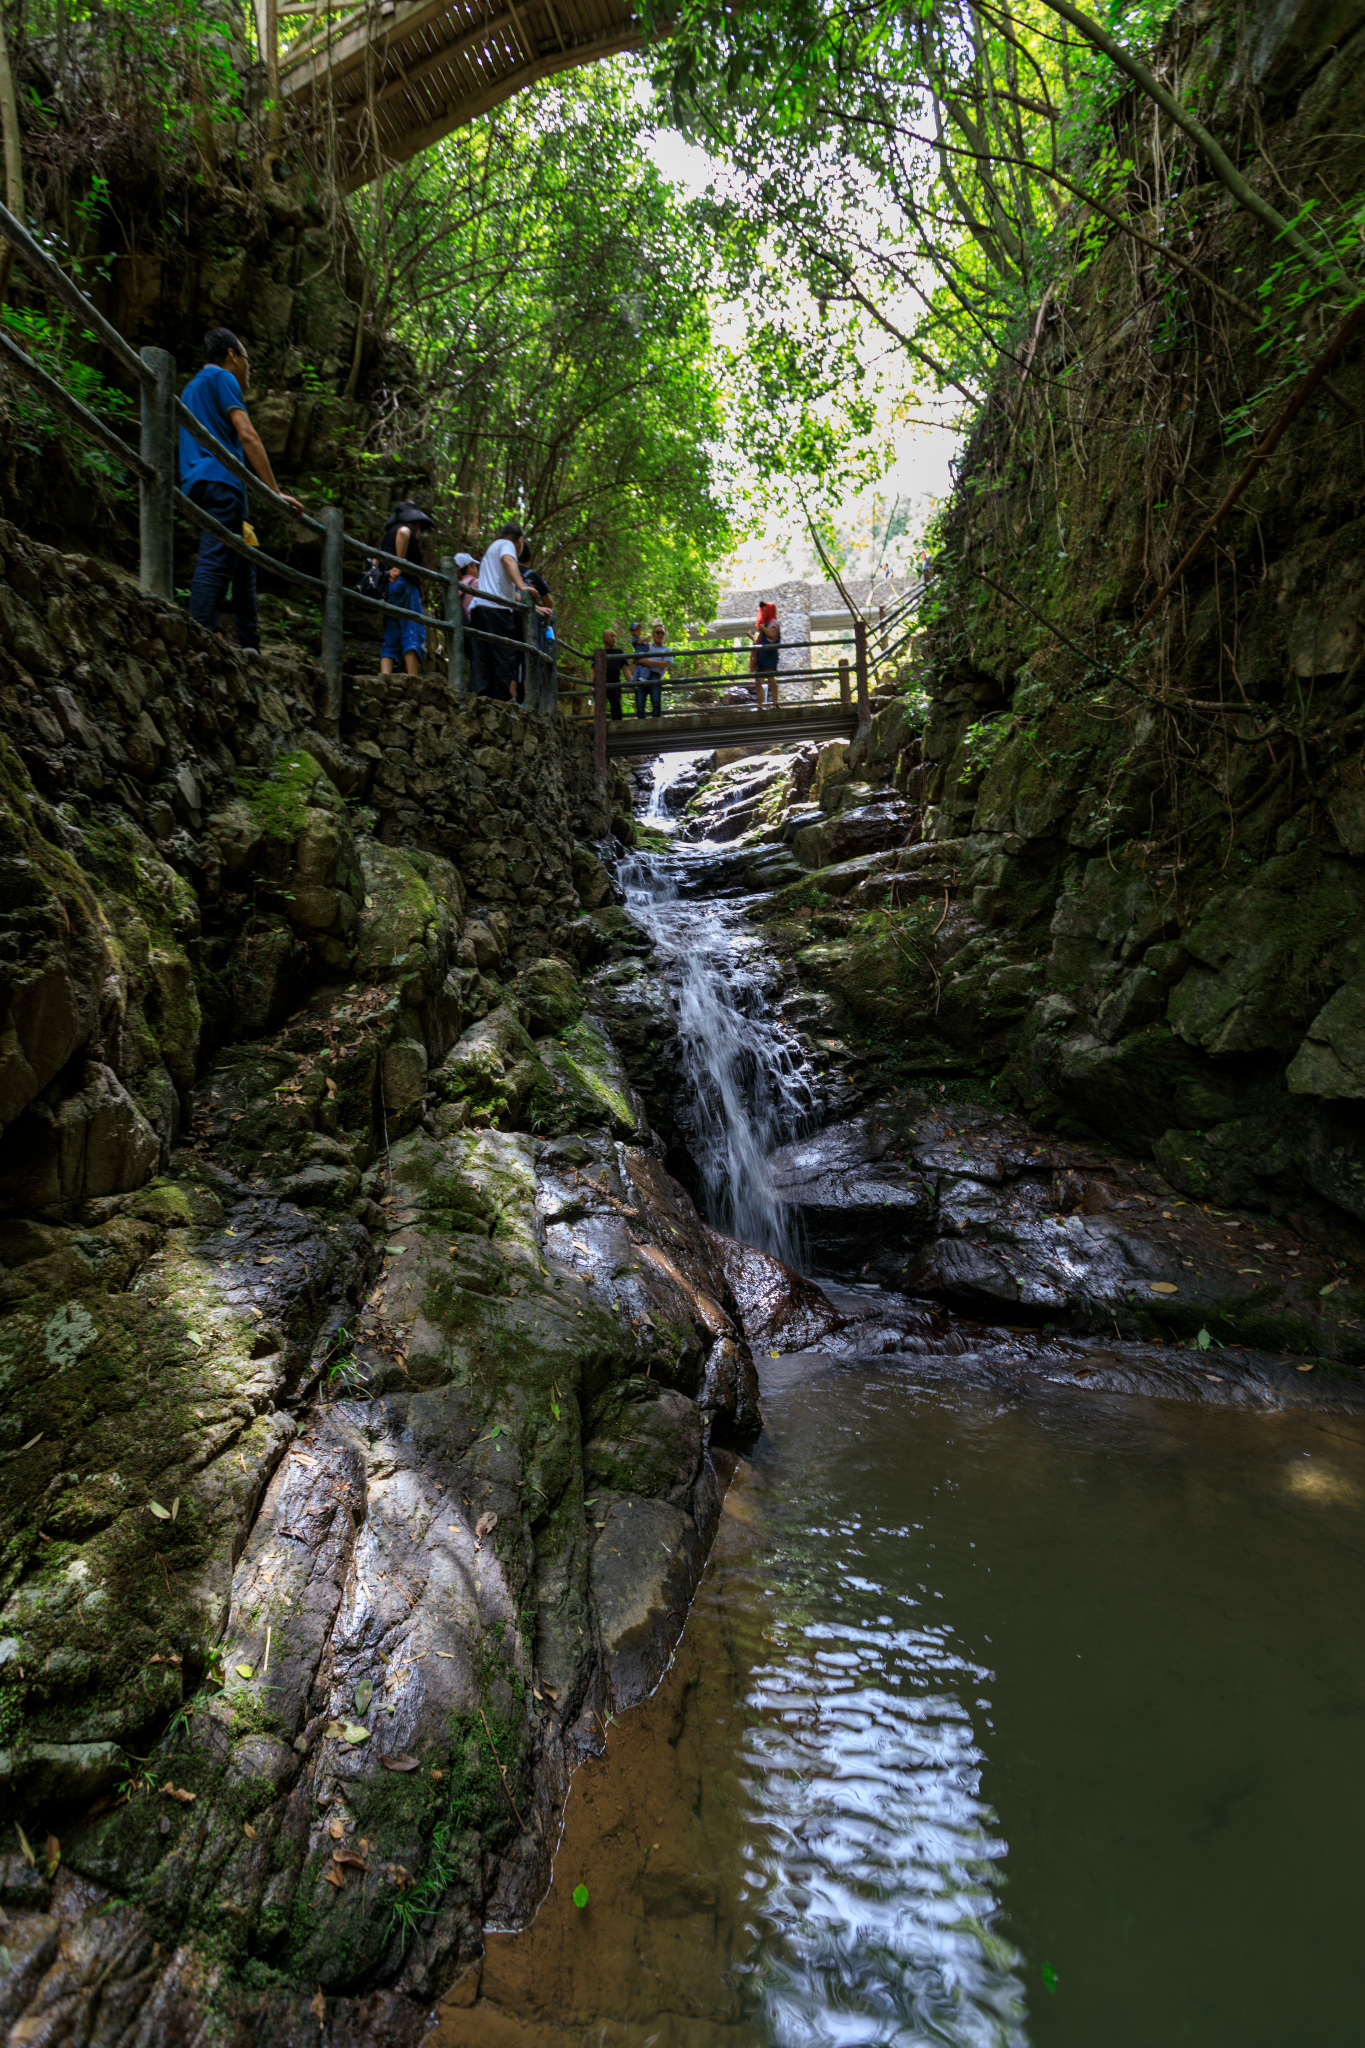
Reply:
x=767, y=651
x=214, y=396
x=651, y=670
x=495, y=663
x=403, y=537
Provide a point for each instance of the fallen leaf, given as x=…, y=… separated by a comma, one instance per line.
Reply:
x=171, y=1791
x=304, y=1458
x=333, y=1728
x=353, y=1732
x=486, y=1524
x=438, y=1774
x=245, y=1670
x=364, y=1693
x=552, y=1692
x=318, y=2007
x=580, y=1896
x=349, y=1857
x=399, y=1763
x=24, y=1846
x=445, y=1653
x=248, y=1831
x=1330, y=1288
x=175, y=1507
x=334, y=1874
x=1303, y=1368
x=337, y=1830
x=1162, y=1287
x=162, y=1514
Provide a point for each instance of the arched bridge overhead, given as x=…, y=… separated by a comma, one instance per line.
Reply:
x=403, y=74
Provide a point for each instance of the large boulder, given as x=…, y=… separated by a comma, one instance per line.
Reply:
x=492, y=1070
x=90, y=1143
x=778, y=1307
x=550, y=993
x=586, y=1084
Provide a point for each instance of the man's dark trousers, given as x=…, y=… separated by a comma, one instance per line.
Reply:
x=220, y=569
x=655, y=693
x=494, y=667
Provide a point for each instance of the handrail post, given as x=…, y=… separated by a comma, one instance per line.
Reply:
x=599, y=715
x=552, y=704
x=845, y=692
x=156, y=515
x=530, y=660
x=454, y=627
x=333, y=570
x=860, y=663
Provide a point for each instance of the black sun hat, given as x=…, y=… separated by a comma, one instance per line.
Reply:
x=408, y=514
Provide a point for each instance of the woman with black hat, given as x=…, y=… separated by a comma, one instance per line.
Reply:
x=403, y=537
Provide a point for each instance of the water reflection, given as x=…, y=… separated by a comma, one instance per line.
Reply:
x=994, y=1723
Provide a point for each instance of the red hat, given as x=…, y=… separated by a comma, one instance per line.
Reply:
x=766, y=614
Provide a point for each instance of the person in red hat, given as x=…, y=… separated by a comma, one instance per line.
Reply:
x=767, y=649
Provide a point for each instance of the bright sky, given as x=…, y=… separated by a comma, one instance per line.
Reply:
x=919, y=477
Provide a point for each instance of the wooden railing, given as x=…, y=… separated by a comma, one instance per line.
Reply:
x=154, y=466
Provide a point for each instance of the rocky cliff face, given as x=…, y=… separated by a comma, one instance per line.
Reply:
x=364, y=1372
x=1120, y=878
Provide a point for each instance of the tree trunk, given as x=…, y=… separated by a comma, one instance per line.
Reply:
x=14, y=162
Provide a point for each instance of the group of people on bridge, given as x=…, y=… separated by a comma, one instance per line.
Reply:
x=490, y=587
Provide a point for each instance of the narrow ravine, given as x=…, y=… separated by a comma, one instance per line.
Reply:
x=964, y=1741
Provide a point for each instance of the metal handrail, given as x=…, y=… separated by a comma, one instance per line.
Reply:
x=155, y=468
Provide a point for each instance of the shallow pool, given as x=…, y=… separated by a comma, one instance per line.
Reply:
x=993, y=1723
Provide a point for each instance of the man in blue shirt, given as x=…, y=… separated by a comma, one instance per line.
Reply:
x=214, y=396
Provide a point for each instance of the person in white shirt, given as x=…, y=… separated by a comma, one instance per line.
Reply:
x=494, y=666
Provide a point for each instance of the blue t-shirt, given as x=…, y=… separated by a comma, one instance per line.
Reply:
x=211, y=394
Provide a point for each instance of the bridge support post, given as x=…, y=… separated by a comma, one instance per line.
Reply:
x=599, y=716
x=333, y=571
x=156, y=516
x=860, y=664
x=845, y=692
x=454, y=627
x=530, y=660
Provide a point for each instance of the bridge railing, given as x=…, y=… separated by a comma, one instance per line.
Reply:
x=154, y=466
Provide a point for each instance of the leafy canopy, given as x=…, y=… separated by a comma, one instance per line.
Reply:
x=552, y=287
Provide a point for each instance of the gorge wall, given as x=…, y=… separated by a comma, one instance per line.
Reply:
x=365, y=1375
x=1119, y=881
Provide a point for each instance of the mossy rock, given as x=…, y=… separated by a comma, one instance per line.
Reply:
x=550, y=992
x=587, y=1084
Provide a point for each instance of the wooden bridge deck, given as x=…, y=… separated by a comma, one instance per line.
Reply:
x=403, y=74
x=729, y=725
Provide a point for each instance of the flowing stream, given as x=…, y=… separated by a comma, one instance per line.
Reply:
x=749, y=1089
x=996, y=1723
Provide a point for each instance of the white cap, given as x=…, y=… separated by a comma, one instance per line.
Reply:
x=464, y=561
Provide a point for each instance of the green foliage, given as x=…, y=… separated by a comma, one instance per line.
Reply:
x=551, y=286
x=908, y=191
x=29, y=423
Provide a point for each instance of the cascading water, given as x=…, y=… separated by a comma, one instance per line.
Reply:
x=749, y=1088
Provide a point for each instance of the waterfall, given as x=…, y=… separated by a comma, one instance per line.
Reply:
x=748, y=1089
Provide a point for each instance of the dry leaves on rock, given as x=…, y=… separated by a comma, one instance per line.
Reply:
x=402, y=1762
x=171, y=1791
x=485, y=1526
